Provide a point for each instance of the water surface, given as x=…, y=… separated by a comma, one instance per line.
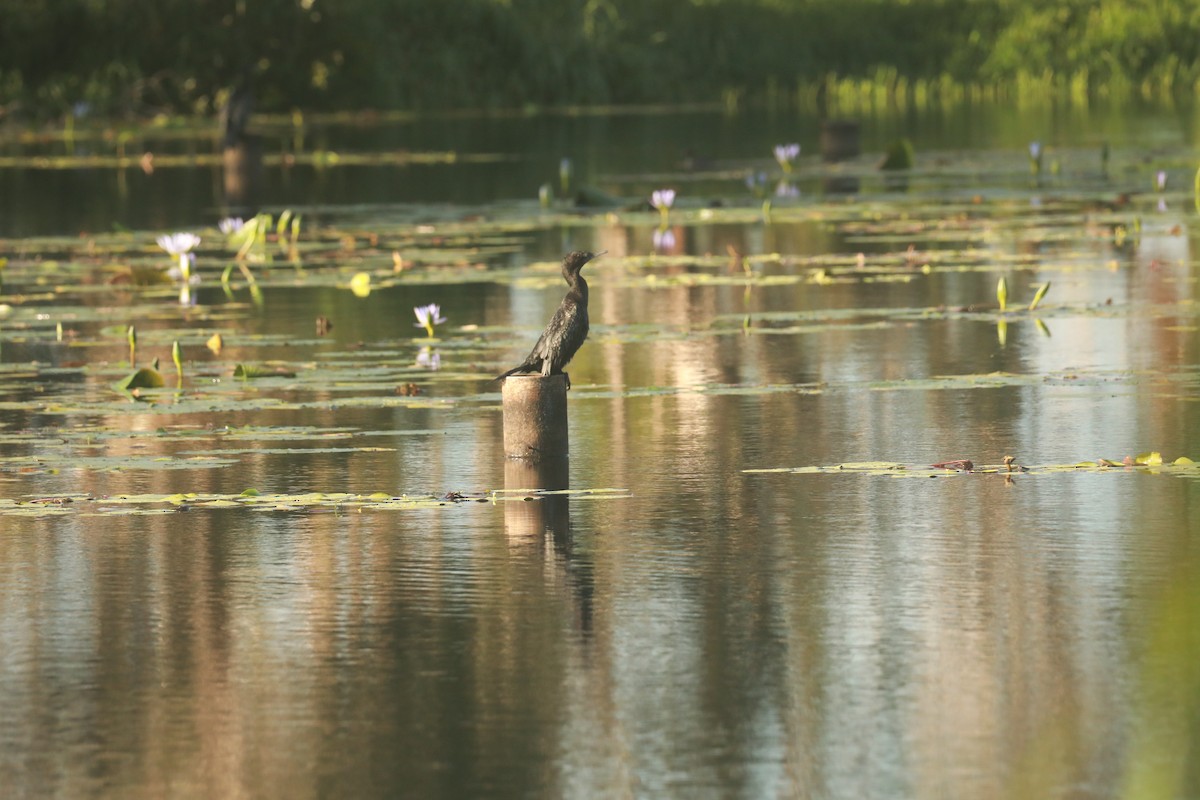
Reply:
x=700, y=629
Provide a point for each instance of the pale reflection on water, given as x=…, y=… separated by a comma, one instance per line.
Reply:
x=716, y=633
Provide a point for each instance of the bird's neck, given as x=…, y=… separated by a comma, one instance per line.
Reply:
x=578, y=285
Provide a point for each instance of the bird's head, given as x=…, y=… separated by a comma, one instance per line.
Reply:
x=574, y=261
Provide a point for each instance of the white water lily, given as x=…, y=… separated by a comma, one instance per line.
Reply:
x=181, y=244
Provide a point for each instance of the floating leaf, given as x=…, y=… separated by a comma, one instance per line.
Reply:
x=1183, y=467
x=248, y=371
x=144, y=378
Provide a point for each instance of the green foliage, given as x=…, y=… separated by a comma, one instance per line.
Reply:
x=1132, y=41
x=142, y=56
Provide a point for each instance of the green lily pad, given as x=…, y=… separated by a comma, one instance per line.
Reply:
x=144, y=378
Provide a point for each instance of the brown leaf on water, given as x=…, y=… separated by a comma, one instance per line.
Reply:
x=959, y=464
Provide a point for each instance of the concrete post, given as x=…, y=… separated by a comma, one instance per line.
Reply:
x=530, y=519
x=535, y=417
x=839, y=139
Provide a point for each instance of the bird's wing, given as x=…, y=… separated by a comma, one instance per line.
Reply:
x=564, y=317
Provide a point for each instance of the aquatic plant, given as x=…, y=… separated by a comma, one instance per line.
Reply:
x=785, y=154
x=757, y=183
x=231, y=225
x=1196, y=191
x=177, y=357
x=565, y=169
x=144, y=378
x=288, y=230
x=131, y=337
x=1035, y=157
x=1041, y=292
x=663, y=199
x=1160, y=180
x=428, y=316
x=1002, y=293
x=253, y=231
x=181, y=245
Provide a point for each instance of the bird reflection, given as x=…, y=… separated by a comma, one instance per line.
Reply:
x=544, y=521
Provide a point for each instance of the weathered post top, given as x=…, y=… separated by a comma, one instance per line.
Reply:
x=535, y=416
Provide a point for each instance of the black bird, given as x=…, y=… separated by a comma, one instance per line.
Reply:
x=568, y=327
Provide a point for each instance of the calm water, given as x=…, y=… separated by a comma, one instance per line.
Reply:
x=707, y=633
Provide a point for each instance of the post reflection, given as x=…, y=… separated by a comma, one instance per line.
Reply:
x=542, y=522
x=241, y=154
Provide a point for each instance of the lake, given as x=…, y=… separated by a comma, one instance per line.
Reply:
x=300, y=565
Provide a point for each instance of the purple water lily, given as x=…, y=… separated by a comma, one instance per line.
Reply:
x=428, y=316
x=231, y=225
x=785, y=154
x=429, y=359
x=663, y=239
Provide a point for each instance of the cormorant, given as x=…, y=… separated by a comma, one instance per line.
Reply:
x=568, y=327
